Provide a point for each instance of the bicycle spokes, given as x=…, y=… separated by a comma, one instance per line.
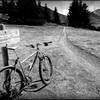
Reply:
x=12, y=84
x=45, y=70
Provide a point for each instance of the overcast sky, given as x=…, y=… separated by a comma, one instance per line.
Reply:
x=63, y=5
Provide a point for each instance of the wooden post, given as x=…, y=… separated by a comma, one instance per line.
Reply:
x=6, y=63
x=5, y=56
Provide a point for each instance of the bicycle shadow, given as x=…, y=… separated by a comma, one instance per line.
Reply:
x=5, y=97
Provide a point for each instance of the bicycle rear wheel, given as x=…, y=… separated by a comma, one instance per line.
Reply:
x=45, y=70
x=12, y=83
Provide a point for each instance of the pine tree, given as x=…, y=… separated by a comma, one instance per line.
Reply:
x=4, y=2
x=27, y=8
x=30, y=13
x=4, y=6
x=85, y=16
x=78, y=15
x=56, y=16
x=73, y=14
x=11, y=9
x=46, y=14
x=39, y=3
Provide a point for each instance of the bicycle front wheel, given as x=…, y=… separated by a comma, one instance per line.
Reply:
x=45, y=70
x=11, y=82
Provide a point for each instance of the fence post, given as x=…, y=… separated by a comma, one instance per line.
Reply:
x=6, y=63
x=5, y=56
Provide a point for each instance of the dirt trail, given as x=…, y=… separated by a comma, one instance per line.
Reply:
x=90, y=62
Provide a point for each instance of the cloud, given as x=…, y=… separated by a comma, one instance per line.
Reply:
x=92, y=8
x=93, y=5
x=65, y=11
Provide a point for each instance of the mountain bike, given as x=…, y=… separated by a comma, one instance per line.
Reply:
x=16, y=79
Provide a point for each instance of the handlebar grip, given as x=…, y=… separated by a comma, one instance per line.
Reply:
x=32, y=46
x=46, y=43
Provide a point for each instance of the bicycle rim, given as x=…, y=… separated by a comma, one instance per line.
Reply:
x=12, y=88
x=45, y=70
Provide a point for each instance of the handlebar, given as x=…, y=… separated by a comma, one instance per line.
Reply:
x=37, y=44
x=33, y=46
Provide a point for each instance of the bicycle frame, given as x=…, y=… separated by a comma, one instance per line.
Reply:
x=37, y=54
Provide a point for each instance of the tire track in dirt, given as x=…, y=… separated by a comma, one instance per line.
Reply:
x=89, y=61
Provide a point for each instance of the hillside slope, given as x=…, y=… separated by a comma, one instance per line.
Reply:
x=95, y=18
